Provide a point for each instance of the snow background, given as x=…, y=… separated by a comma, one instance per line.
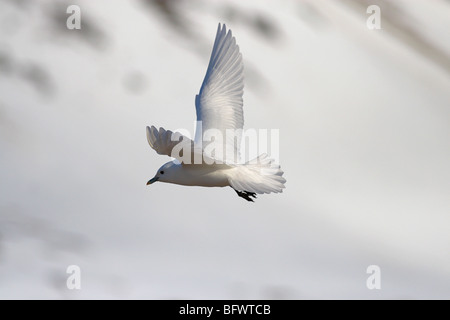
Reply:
x=364, y=126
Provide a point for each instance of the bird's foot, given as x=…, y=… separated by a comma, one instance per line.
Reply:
x=246, y=195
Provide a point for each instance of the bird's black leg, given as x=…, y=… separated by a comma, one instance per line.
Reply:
x=246, y=195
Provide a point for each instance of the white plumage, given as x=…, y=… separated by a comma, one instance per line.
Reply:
x=219, y=110
x=219, y=103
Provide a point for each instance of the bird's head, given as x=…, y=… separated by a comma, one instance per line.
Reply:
x=166, y=173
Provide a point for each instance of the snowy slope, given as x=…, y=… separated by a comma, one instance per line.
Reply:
x=364, y=125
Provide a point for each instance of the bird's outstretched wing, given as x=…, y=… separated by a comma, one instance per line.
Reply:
x=219, y=103
x=169, y=143
x=176, y=145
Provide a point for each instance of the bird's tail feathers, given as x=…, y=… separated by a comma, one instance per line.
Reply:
x=260, y=175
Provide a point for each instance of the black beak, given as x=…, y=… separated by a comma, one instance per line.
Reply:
x=152, y=180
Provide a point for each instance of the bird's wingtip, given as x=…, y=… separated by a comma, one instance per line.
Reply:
x=148, y=134
x=222, y=27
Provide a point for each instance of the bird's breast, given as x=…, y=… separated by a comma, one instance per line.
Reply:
x=202, y=175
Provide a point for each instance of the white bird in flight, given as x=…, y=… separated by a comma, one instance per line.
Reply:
x=219, y=108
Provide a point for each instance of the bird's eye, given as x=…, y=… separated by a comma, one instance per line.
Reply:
x=162, y=172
